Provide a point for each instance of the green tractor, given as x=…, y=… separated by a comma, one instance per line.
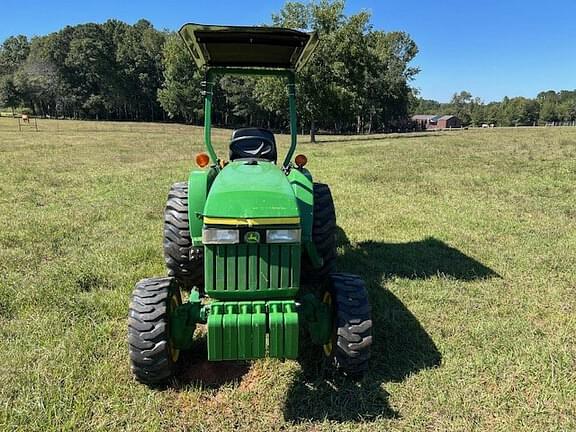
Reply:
x=252, y=241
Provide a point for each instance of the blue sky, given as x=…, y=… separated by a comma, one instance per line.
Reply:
x=490, y=48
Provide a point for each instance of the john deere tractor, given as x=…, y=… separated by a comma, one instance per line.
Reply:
x=251, y=240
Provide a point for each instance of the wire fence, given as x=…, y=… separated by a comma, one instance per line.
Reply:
x=560, y=123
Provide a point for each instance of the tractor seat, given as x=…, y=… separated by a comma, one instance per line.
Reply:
x=253, y=143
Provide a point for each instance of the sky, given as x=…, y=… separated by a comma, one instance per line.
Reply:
x=490, y=48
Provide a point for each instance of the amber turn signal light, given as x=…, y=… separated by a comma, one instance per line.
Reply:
x=202, y=160
x=301, y=160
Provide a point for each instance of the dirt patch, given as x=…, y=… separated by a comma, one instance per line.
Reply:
x=214, y=374
x=196, y=369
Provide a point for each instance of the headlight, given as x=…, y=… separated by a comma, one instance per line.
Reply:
x=283, y=236
x=220, y=236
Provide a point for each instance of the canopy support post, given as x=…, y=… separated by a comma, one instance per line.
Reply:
x=208, y=93
x=293, y=118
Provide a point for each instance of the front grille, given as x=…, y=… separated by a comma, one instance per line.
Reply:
x=245, y=270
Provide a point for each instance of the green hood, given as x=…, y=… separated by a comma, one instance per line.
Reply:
x=244, y=190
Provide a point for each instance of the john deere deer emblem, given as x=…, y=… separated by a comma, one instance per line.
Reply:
x=252, y=237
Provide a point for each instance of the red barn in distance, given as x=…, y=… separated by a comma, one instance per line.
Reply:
x=449, y=122
x=430, y=122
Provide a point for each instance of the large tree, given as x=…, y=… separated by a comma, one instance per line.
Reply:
x=139, y=59
x=13, y=53
x=357, y=75
x=180, y=94
x=9, y=94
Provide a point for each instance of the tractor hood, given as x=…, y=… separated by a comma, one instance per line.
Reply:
x=245, y=191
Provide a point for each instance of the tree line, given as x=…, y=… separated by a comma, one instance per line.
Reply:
x=93, y=71
x=358, y=80
x=548, y=107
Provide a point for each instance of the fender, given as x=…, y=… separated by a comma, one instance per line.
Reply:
x=199, y=184
x=301, y=181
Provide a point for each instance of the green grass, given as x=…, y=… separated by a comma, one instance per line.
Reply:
x=467, y=241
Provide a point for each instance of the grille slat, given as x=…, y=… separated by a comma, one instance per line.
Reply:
x=231, y=279
x=264, y=269
x=242, y=267
x=285, y=266
x=220, y=267
x=274, y=263
x=295, y=266
x=253, y=269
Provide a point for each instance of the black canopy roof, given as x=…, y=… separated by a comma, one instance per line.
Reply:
x=250, y=47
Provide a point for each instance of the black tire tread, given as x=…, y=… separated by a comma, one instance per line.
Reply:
x=323, y=235
x=353, y=326
x=177, y=242
x=148, y=335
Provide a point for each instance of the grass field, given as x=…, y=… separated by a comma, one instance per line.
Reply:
x=467, y=241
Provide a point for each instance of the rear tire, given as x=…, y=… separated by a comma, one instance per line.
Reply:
x=152, y=357
x=184, y=261
x=349, y=348
x=323, y=236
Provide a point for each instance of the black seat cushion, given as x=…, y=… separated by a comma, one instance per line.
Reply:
x=253, y=143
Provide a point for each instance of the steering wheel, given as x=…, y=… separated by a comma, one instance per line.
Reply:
x=247, y=147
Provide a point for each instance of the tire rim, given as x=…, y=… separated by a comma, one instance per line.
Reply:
x=174, y=352
x=327, y=299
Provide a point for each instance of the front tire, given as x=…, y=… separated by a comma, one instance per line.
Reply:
x=184, y=261
x=349, y=347
x=153, y=358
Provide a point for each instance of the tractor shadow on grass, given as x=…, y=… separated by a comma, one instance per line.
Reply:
x=196, y=370
x=401, y=346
